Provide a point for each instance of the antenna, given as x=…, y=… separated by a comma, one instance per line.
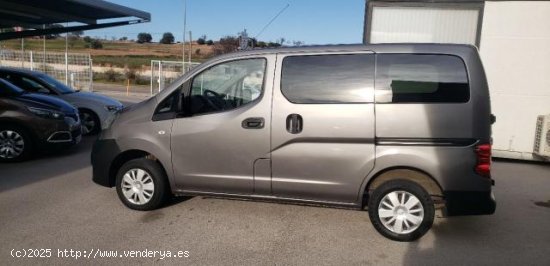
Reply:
x=271, y=21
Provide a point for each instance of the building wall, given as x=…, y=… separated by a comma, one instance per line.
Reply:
x=515, y=48
x=514, y=42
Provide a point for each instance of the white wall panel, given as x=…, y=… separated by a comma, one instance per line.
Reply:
x=515, y=49
x=423, y=25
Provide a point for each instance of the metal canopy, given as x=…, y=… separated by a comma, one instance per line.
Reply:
x=32, y=15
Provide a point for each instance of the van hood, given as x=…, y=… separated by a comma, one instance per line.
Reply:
x=46, y=102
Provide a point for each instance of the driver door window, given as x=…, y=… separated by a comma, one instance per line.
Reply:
x=227, y=86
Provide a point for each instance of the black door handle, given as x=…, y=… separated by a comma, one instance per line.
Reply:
x=253, y=123
x=294, y=123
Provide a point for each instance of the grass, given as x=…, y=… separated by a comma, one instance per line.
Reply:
x=131, y=61
x=114, y=53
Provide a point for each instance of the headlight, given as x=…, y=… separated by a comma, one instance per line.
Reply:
x=47, y=113
x=113, y=108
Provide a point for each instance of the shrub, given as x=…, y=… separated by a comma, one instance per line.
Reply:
x=130, y=74
x=201, y=41
x=226, y=45
x=210, y=42
x=96, y=44
x=111, y=75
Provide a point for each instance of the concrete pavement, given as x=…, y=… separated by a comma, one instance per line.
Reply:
x=51, y=202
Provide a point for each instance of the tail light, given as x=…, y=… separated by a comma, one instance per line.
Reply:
x=483, y=166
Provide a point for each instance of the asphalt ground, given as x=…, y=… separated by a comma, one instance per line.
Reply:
x=51, y=203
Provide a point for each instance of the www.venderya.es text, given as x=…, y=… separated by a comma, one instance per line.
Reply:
x=97, y=253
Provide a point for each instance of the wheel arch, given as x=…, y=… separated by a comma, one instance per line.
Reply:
x=22, y=125
x=92, y=111
x=127, y=156
x=420, y=177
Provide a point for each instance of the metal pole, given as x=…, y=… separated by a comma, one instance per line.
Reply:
x=184, y=31
x=22, y=52
x=32, y=61
x=190, y=47
x=152, y=77
x=160, y=74
x=67, y=56
x=44, y=49
x=91, y=87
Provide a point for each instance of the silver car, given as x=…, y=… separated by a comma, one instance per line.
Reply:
x=96, y=111
x=395, y=129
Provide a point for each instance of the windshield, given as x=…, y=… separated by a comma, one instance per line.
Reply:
x=9, y=89
x=55, y=84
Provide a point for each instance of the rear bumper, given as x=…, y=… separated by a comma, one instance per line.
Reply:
x=104, y=152
x=458, y=203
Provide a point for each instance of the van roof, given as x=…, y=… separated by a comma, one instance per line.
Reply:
x=456, y=49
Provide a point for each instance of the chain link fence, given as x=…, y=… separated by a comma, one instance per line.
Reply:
x=163, y=73
x=72, y=69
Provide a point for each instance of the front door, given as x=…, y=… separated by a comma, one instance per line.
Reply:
x=323, y=126
x=225, y=128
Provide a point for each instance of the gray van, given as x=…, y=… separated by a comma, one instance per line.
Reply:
x=399, y=130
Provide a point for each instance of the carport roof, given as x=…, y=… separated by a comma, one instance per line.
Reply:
x=33, y=14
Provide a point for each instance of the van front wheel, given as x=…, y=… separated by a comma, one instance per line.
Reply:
x=141, y=185
x=401, y=210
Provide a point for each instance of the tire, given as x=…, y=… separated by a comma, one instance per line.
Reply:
x=15, y=144
x=153, y=186
x=401, y=210
x=90, y=123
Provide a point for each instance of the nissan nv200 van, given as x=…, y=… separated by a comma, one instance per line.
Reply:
x=397, y=129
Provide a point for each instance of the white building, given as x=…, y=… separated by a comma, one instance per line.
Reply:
x=514, y=42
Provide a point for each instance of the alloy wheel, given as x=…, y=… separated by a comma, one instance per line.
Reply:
x=12, y=144
x=88, y=123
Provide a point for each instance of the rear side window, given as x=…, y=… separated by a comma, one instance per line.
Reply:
x=416, y=78
x=328, y=78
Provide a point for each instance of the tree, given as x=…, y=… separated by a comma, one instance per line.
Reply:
x=144, y=37
x=201, y=41
x=298, y=43
x=226, y=44
x=53, y=26
x=87, y=39
x=72, y=40
x=123, y=38
x=209, y=42
x=167, y=38
x=96, y=44
x=252, y=42
x=77, y=34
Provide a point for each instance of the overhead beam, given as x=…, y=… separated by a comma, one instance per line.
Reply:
x=48, y=13
x=39, y=32
x=115, y=8
x=8, y=22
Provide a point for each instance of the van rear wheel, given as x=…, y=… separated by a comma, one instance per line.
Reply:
x=401, y=210
x=141, y=184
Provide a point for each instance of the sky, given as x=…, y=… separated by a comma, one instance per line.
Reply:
x=309, y=21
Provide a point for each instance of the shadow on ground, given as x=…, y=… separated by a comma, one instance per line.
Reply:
x=46, y=165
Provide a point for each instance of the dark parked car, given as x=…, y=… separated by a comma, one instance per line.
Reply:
x=29, y=121
x=96, y=110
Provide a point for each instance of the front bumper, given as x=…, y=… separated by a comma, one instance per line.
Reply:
x=104, y=152
x=60, y=134
x=458, y=203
